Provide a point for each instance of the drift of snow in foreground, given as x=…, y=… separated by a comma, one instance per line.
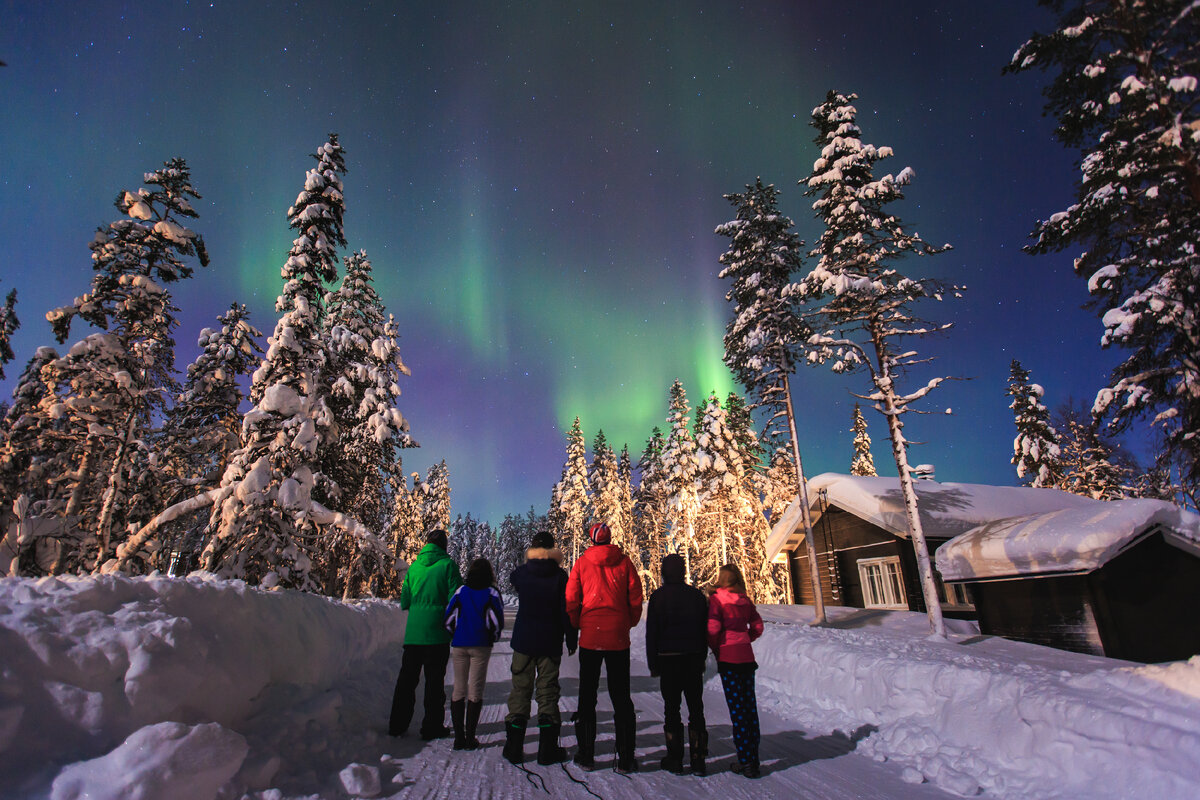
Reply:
x=200, y=689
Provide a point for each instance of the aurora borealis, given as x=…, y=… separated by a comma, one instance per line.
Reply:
x=537, y=184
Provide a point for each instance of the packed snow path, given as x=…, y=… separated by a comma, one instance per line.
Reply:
x=795, y=764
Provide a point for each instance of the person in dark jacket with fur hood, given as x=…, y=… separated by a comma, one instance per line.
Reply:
x=676, y=649
x=538, y=634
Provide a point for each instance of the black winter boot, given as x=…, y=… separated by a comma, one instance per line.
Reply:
x=626, y=760
x=698, y=749
x=674, y=760
x=471, y=723
x=457, y=710
x=549, y=751
x=585, y=738
x=514, y=740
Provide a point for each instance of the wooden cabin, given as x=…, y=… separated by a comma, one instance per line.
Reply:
x=1119, y=579
x=865, y=557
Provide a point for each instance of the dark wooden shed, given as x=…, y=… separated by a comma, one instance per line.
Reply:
x=1120, y=579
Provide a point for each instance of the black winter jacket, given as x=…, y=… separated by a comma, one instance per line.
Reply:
x=542, y=623
x=676, y=618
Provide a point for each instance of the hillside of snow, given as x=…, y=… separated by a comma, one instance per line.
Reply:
x=201, y=689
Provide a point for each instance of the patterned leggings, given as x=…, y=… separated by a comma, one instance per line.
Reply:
x=738, y=682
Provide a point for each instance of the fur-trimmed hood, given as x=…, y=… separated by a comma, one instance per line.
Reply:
x=554, y=553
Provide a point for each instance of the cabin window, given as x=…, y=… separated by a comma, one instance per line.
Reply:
x=954, y=595
x=882, y=582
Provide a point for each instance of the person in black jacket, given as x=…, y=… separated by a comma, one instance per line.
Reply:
x=537, y=641
x=676, y=649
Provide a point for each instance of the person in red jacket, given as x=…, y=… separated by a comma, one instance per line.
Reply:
x=604, y=601
x=733, y=623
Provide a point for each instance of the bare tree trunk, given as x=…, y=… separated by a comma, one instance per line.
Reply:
x=103, y=532
x=933, y=604
x=802, y=485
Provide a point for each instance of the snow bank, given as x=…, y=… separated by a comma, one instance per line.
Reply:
x=86, y=663
x=984, y=715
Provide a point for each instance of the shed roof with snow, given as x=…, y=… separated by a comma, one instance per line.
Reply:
x=1069, y=540
x=946, y=509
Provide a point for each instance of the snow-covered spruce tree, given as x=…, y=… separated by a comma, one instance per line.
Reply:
x=202, y=429
x=679, y=470
x=1087, y=461
x=363, y=373
x=1124, y=92
x=8, y=326
x=460, y=539
x=629, y=542
x=863, y=463
x=720, y=472
x=113, y=384
x=1036, y=453
x=761, y=339
x=405, y=533
x=574, y=497
x=604, y=483
x=861, y=306
x=433, y=495
x=650, y=511
x=264, y=527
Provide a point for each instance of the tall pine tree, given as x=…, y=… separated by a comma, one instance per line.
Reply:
x=112, y=385
x=363, y=374
x=679, y=469
x=265, y=526
x=861, y=306
x=761, y=339
x=1124, y=93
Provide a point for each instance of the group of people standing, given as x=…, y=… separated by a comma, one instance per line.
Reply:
x=592, y=610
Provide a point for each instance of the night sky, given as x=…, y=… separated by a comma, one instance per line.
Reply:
x=537, y=185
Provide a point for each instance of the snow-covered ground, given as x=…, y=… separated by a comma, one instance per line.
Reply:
x=196, y=689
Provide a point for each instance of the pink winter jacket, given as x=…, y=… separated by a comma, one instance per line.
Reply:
x=733, y=623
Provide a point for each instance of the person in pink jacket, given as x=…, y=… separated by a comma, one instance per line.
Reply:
x=604, y=601
x=733, y=623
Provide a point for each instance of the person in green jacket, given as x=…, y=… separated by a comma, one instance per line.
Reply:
x=428, y=587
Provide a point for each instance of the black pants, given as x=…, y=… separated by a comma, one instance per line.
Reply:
x=616, y=666
x=682, y=677
x=432, y=659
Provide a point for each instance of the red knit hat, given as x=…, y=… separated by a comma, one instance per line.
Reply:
x=599, y=533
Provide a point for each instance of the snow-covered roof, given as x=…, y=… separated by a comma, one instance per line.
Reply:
x=946, y=509
x=1069, y=540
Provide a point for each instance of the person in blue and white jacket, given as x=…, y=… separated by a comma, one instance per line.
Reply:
x=474, y=617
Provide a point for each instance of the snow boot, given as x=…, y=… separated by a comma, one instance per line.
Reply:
x=626, y=760
x=673, y=762
x=748, y=770
x=471, y=722
x=585, y=738
x=514, y=740
x=549, y=751
x=457, y=712
x=698, y=749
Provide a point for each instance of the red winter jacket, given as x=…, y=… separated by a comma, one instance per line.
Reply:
x=733, y=623
x=604, y=598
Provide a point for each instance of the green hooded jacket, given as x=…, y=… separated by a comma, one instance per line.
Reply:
x=428, y=587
